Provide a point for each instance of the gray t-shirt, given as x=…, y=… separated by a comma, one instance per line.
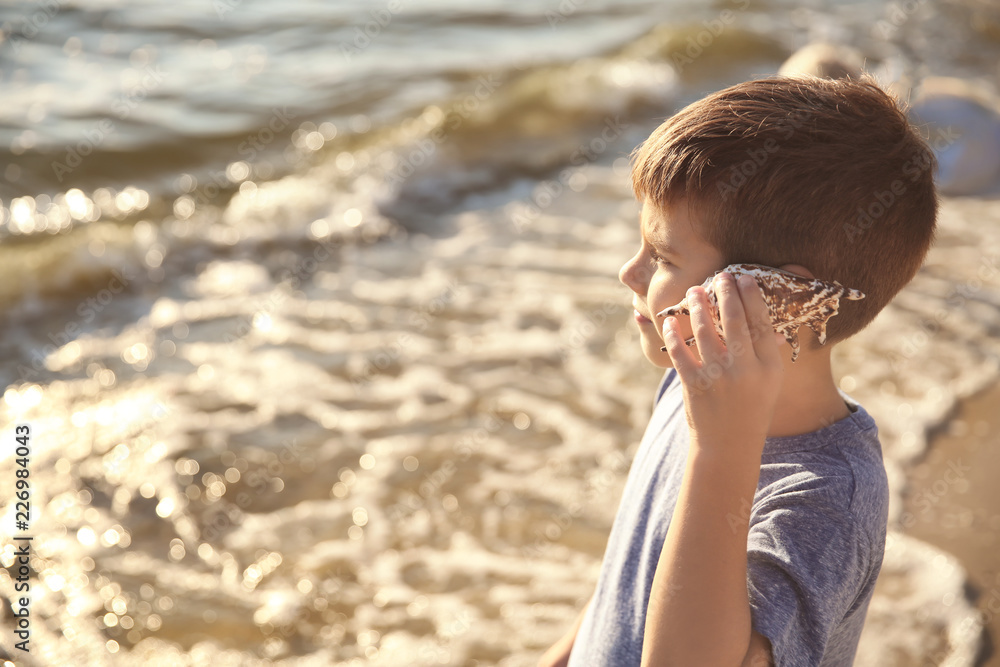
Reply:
x=815, y=547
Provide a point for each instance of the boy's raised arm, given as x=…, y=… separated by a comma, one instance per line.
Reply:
x=699, y=611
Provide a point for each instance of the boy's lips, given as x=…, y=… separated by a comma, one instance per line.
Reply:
x=639, y=316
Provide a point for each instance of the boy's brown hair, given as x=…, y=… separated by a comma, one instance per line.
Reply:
x=825, y=173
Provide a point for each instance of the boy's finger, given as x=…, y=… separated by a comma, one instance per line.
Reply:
x=680, y=355
x=765, y=343
x=710, y=346
x=732, y=313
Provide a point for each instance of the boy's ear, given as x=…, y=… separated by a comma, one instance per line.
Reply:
x=798, y=270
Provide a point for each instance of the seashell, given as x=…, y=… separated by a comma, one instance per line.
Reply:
x=792, y=301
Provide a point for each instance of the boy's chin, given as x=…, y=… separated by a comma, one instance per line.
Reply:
x=651, y=349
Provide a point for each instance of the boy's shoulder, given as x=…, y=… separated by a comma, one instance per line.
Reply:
x=835, y=475
x=839, y=467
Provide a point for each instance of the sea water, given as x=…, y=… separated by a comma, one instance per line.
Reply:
x=313, y=309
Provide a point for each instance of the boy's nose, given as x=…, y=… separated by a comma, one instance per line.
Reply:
x=623, y=274
x=630, y=276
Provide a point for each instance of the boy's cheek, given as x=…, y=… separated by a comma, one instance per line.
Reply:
x=663, y=361
x=656, y=356
x=655, y=330
x=651, y=345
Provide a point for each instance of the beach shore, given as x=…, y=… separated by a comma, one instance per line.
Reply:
x=952, y=501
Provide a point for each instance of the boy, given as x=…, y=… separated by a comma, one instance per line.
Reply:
x=752, y=526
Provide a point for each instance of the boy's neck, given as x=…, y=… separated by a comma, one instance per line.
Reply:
x=809, y=399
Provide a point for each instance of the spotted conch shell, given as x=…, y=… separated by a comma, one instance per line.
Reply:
x=791, y=299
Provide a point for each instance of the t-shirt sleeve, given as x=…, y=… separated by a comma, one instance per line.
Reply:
x=665, y=382
x=806, y=565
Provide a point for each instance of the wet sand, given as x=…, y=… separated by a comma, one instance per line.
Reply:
x=952, y=501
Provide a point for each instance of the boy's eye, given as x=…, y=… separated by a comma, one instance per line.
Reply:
x=656, y=258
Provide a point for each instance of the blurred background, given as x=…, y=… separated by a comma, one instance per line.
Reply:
x=313, y=309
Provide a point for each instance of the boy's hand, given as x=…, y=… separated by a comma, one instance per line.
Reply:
x=731, y=393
